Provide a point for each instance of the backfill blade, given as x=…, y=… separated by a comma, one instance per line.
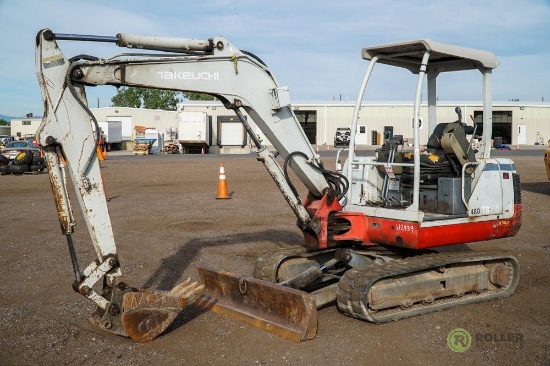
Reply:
x=283, y=311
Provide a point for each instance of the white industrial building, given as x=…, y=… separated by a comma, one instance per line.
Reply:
x=514, y=123
x=24, y=127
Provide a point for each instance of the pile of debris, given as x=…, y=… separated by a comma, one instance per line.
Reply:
x=24, y=162
x=142, y=147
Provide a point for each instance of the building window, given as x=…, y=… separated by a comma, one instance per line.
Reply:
x=26, y=123
x=308, y=121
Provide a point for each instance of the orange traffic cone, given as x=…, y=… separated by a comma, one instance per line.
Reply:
x=222, y=184
x=100, y=154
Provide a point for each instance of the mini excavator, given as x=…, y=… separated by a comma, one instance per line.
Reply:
x=371, y=229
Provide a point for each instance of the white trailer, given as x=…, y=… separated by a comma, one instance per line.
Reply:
x=112, y=134
x=194, y=132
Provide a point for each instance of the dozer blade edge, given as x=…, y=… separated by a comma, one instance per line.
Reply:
x=283, y=311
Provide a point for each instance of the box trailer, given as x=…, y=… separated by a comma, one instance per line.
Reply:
x=194, y=132
x=112, y=134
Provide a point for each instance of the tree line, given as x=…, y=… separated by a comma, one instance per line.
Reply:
x=135, y=97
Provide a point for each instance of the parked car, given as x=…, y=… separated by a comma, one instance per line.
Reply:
x=503, y=147
x=341, y=139
x=20, y=157
x=14, y=148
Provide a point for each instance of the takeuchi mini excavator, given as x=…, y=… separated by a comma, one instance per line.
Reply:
x=370, y=229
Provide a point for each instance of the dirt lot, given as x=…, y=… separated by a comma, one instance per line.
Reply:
x=167, y=221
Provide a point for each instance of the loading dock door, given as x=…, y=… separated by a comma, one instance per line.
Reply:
x=502, y=126
x=127, y=129
x=231, y=132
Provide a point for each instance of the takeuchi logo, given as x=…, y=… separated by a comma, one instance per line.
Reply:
x=188, y=75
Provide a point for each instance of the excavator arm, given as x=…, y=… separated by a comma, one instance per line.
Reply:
x=69, y=144
x=214, y=66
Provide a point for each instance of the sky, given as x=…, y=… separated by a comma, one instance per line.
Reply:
x=311, y=46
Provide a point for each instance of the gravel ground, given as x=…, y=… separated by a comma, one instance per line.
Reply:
x=167, y=222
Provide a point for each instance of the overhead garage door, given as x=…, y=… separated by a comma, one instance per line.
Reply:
x=230, y=131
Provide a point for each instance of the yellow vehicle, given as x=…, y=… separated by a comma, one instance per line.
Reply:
x=547, y=162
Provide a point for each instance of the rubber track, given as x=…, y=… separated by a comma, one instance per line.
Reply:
x=268, y=263
x=354, y=285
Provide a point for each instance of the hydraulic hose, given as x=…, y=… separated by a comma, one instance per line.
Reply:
x=72, y=89
x=337, y=181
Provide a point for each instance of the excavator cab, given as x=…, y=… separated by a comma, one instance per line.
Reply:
x=439, y=178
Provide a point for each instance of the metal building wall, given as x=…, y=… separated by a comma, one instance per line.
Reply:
x=331, y=115
x=153, y=118
x=536, y=119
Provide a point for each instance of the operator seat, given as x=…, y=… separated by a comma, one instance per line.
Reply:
x=457, y=147
x=434, y=162
x=434, y=142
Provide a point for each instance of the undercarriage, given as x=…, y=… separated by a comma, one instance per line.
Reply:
x=377, y=284
x=381, y=285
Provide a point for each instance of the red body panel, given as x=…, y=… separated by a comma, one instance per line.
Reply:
x=316, y=235
x=367, y=231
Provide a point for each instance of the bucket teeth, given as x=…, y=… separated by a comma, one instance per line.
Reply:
x=147, y=313
x=185, y=291
x=181, y=295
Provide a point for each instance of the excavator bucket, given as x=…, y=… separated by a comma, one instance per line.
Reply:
x=283, y=311
x=146, y=314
